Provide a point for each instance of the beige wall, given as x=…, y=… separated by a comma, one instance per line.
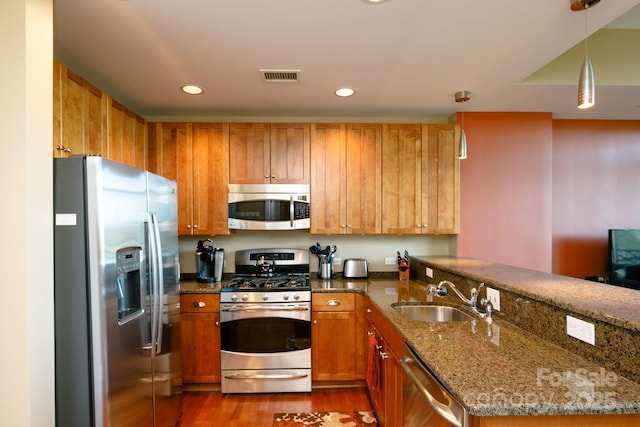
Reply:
x=26, y=289
x=373, y=248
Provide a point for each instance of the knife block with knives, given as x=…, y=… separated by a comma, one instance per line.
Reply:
x=404, y=264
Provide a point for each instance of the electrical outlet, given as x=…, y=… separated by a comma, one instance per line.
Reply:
x=389, y=260
x=493, y=295
x=429, y=272
x=337, y=261
x=581, y=330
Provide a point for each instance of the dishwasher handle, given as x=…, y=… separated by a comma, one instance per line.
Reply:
x=442, y=409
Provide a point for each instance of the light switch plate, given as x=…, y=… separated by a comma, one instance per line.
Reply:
x=429, y=272
x=389, y=260
x=337, y=261
x=584, y=331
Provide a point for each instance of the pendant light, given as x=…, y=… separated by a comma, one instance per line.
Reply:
x=462, y=96
x=586, y=83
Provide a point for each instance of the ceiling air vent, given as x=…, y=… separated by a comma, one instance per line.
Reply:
x=287, y=76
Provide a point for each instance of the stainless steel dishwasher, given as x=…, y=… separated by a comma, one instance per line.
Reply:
x=425, y=402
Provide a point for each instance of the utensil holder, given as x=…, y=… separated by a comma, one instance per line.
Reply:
x=325, y=269
x=404, y=270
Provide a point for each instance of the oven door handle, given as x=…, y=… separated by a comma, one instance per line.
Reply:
x=236, y=376
x=262, y=308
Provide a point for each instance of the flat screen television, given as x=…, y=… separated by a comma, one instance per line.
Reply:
x=624, y=258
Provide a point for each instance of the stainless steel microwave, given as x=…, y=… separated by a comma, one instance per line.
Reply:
x=269, y=206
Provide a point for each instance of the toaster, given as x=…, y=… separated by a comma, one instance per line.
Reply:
x=355, y=268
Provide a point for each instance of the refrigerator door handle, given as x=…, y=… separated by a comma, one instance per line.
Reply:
x=157, y=281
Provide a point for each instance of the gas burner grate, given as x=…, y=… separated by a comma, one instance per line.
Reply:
x=264, y=283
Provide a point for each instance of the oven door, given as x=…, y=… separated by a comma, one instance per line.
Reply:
x=265, y=335
x=266, y=348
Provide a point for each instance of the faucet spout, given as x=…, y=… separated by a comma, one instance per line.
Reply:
x=442, y=291
x=472, y=302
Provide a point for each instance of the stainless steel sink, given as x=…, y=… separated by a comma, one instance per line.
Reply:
x=432, y=313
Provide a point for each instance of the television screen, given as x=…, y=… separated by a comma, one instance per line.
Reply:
x=624, y=258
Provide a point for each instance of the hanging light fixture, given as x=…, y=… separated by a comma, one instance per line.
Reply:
x=462, y=96
x=586, y=83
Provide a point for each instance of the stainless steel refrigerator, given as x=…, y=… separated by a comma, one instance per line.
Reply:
x=117, y=321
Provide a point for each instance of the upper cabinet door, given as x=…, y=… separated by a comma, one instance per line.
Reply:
x=127, y=142
x=345, y=178
x=260, y=153
x=441, y=179
x=328, y=178
x=211, y=178
x=401, y=179
x=249, y=153
x=80, y=114
x=290, y=154
x=363, y=178
x=170, y=155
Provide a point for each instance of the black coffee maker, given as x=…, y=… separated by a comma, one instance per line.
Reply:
x=209, y=261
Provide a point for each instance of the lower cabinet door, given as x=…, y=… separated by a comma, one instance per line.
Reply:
x=333, y=346
x=201, y=348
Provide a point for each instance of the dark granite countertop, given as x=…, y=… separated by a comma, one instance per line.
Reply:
x=612, y=304
x=499, y=369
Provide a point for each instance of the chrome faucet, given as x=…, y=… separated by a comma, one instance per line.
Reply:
x=441, y=291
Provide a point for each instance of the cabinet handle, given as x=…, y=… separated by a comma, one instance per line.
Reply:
x=188, y=226
x=350, y=226
x=383, y=355
x=198, y=304
x=343, y=226
x=266, y=176
x=333, y=303
x=418, y=225
x=195, y=226
x=368, y=310
x=273, y=177
x=315, y=322
x=217, y=324
x=424, y=226
x=371, y=334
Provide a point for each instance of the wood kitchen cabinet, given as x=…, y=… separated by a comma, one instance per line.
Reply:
x=387, y=396
x=127, y=142
x=334, y=348
x=79, y=115
x=196, y=155
x=262, y=153
x=420, y=179
x=200, y=338
x=345, y=178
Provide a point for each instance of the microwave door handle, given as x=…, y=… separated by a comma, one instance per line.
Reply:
x=291, y=210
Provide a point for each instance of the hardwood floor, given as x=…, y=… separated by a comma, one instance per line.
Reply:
x=210, y=409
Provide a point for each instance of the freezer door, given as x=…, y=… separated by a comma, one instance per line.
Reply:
x=116, y=211
x=167, y=375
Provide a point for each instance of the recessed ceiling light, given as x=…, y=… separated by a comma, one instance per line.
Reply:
x=344, y=91
x=374, y=1
x=192, y=89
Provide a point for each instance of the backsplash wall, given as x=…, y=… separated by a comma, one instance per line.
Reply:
x=374, y=248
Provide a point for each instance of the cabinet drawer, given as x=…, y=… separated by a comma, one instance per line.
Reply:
x=199, y=303
x=333, y=302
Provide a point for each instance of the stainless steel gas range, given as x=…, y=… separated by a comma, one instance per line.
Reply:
x=265, y=323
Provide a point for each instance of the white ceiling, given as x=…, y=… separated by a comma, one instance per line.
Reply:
x=404, y=58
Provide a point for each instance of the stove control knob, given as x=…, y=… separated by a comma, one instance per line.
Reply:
x=285, y=297
x=244, y=297
x=265, y=297
x=234, y=297
x=296, y=296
